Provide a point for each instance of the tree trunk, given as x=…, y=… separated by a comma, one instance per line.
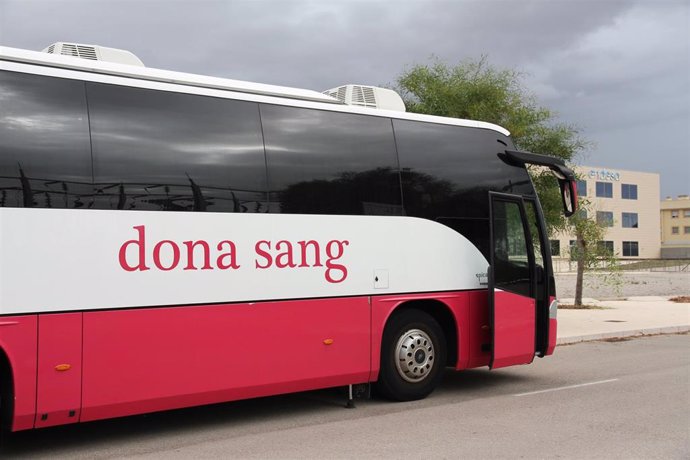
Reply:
x=580, y=269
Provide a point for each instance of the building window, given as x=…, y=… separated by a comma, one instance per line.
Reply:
x=605, y=246
x=686, y=230
x=631, y=249
x=581, y=213
x=605, y=189
x=630, y=220
x=629, y=191
x=686, y=212
x=674, y=214
x=674, y=230
x=556, y=247
x=605, y=218
x=582, y=188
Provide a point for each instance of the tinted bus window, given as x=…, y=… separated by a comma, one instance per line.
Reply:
x=157, y=150
x=330, y=163
x=45, y=157
x=447, y=172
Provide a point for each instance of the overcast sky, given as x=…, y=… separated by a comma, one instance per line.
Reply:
x=620, y=70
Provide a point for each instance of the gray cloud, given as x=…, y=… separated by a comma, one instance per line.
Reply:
x=618, y=69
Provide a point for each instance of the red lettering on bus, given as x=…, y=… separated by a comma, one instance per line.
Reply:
x=140, y=242
x=262, y=253
x=331, y=257
x=232, y=255
x=317, y=253
x=167, y=255
x=157, y=255
x=206, y=253
x=284, y=259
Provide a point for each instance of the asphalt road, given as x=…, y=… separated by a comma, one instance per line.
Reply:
x=623, y=399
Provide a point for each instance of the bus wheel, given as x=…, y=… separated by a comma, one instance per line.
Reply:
x=413, y=355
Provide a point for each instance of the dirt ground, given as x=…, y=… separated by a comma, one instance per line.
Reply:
x=632, y=284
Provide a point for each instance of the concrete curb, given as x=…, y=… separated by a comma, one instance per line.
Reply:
x=622, y=334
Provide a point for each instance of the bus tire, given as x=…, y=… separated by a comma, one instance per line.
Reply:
x=413, y=356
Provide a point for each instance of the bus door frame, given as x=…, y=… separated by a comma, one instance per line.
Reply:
x=513, y=316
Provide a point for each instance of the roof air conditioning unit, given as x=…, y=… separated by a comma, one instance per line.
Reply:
x=94, y=53
x=368, y=96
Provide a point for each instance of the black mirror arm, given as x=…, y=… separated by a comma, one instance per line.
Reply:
x=554, y=164
x=565, y=175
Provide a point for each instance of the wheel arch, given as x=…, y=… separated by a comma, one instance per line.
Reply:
x=444, y=316
x=6, y=392
x=410, y=324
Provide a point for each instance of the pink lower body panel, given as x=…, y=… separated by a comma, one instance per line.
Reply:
x=514, y=329
x=58, y=396
x=101, y=364
x=18, y=341
x=155, y=359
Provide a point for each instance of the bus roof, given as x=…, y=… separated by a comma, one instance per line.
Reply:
x=200, y=81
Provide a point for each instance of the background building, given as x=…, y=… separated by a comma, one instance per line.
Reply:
x=627, y=202
x=675, y=228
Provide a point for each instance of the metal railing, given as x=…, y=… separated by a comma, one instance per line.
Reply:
x=626, y=265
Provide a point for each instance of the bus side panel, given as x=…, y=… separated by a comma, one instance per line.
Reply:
x=18, y=340
x=460, y=307
x=480, y=353
x=146, y=360
x=383, y=307
x=58, y=397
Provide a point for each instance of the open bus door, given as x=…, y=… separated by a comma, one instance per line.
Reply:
x=512, y=288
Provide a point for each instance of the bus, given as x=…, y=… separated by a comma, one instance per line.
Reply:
x=170, y=240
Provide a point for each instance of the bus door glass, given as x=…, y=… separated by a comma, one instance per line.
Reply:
x=512, y=287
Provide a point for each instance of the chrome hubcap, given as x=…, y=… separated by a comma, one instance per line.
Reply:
x=414, y=355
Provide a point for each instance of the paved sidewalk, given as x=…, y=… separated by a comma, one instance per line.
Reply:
x=633, y=316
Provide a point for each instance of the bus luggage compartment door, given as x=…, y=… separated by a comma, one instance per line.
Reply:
x=511, y=284
x=58, y=398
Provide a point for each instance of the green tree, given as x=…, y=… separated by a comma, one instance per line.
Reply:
x=475, y=90
x=588, y=251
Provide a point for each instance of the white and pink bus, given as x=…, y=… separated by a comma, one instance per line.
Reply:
x=170, y=240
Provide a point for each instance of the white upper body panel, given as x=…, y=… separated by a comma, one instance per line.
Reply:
x=74, y=260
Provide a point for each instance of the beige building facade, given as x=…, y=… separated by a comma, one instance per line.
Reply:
x=627, y=203
x=675, y=228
